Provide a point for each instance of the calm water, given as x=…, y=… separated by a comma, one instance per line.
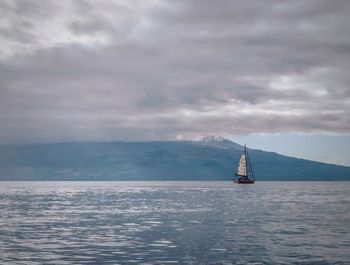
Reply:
x=174, y=223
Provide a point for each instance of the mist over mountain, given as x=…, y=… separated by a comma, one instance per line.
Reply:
x=212, y=158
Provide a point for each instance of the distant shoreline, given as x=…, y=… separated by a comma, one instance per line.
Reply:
x=169, y=181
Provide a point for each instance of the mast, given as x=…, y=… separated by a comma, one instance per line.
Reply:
x=249, y=166
x=246, y=160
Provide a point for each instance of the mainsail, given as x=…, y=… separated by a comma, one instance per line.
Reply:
x=242, y=167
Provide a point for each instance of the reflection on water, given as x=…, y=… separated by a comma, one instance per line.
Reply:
x=174, y=223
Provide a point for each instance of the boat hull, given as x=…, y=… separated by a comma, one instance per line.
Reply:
x=243, y=181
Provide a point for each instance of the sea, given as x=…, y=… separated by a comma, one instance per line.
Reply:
x=174, y=223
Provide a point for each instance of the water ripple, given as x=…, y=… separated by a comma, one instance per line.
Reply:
x=174, y=223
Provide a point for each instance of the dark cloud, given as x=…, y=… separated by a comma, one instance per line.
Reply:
x=127, y=70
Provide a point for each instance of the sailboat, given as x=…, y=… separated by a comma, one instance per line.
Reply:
x=244, y=172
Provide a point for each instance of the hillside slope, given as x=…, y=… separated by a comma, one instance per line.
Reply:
x=209, y=159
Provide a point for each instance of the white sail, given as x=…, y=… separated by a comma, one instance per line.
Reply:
x=242, y=167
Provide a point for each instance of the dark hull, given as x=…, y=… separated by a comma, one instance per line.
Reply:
x=243, y=181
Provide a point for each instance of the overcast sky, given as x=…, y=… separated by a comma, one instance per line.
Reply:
x=153, y=70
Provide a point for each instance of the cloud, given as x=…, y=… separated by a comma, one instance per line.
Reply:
x=132, y=70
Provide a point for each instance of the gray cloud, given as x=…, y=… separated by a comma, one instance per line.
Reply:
x=129, y=70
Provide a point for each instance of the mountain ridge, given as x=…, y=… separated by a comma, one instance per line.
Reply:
x=208, y=159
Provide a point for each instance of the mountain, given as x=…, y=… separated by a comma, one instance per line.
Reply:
x=212, y=158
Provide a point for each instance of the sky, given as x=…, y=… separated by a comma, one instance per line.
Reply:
x=259, y=71
x=332, y=149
